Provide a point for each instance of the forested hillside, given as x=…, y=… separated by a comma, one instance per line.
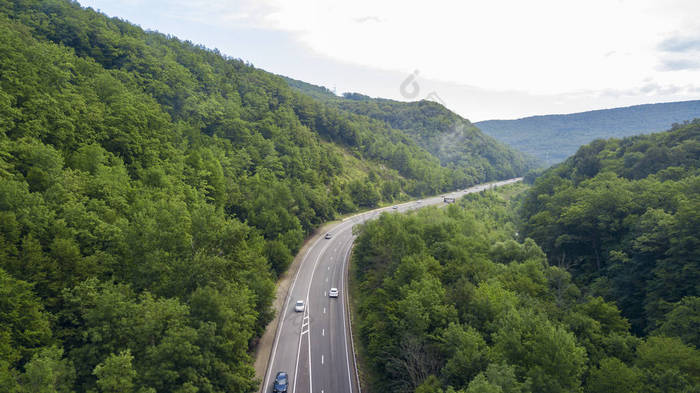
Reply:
x=151, y=191
x=451, y=138
x=623, y=216
x=450, y=301
x=553, y=138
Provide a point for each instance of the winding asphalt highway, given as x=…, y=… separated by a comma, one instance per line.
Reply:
x=315, y=346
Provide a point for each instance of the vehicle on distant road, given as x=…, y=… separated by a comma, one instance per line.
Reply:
x=333, y=292
x=299, y=307
x=448, y=199
x=328, y=235
x=395, y=207
x=281, y=382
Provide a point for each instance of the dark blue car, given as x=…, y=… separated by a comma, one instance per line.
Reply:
x=281, y=382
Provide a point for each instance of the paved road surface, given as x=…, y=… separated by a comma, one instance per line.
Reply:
x=315, y=347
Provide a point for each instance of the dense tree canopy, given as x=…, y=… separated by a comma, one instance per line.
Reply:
x=450, y=301
x=454, y=140
x=623, y=216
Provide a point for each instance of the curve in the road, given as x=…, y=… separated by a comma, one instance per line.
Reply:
x=307, y=343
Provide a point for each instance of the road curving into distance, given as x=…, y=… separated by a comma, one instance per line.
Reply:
x=315, y=346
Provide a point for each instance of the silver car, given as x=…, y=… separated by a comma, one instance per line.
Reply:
x=299, y=306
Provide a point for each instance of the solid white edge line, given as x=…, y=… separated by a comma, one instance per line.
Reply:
x=346, y=309
x=308, y=342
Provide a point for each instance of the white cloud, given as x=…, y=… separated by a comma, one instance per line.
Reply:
x=485, y=59
x=540, y=46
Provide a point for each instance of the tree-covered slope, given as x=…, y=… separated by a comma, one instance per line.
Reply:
x=151, y=191
x=553, y=138
x=622, y=216
x=318, y=92
x=449, y=137
x=448, y=301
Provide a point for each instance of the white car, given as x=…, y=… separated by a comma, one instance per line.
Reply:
x=333, y=292
x=395, y=207
x=328, y=235
x=299, y=307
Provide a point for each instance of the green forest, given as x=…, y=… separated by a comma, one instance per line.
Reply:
x=586, y=281
x=449, y=137
x=151, y=192
x=456, y=300
x=623, y=216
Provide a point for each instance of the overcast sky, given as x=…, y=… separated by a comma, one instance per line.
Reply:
x=495, y=59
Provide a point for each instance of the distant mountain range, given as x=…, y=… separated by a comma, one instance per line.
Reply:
x=552, y=138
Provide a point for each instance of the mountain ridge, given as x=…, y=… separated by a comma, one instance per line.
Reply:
x=552, y=138
x=445, y=134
